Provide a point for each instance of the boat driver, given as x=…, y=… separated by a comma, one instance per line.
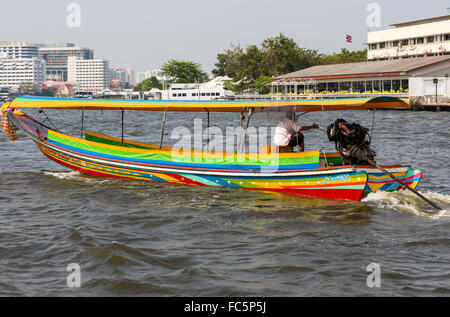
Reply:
x=289, y=133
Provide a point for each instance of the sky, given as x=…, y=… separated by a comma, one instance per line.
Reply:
x=145, y=34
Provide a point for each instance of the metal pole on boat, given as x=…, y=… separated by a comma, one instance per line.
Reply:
x=404, y=184
x=323, y=138
x=373, y=125
x=82, y=123
x=122, y=126
x=207, y=111
x=250, y=113
x=163, y=124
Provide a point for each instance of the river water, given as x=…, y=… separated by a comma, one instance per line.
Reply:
x=150, y=239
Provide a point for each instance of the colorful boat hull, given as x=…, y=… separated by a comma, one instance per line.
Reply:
x=379, y=181
x=342, y=183
x=292, y=173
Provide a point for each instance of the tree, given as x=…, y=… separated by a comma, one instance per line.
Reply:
x=179, y=71
x=278, y=55
x=263, y=84
x=148, y=84
x=29, y=88
x=49, y=92
x=229, y=63
x=345, y=56
x=283, y=55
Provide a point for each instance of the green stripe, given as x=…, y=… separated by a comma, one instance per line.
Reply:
x=169, y=157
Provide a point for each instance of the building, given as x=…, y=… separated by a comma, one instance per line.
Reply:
x=211, y=90
x=428, y=37
x=90, y=75
x=126, y=76
x=19, y=49
x=388, y=76
x=56, y=56
x=15, y=72
x=410, y=60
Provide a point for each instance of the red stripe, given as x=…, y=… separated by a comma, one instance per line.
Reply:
x=343, y=194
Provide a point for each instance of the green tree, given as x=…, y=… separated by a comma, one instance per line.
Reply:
x=179, y=71
x=283, y=55
x=49, y=92
x=229, y=62
x=263, y=84
x=148, y=84
x=344, y=56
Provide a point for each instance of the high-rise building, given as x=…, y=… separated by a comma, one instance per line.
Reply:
x=56, y=56
x=126, y=75
x=15, y=72
x=90, y=75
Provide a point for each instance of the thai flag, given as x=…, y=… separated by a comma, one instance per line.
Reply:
x=349, y=39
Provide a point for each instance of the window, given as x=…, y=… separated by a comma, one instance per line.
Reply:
x=345, y=86
x=395, y=43
x=405, y=83
x=383, y=45
x=446, y=37
x=405, y=42
x=333, y=86
x=373, y=46
x=376, y=85
x=396, y=85
x=430, y=39
x=358, y=86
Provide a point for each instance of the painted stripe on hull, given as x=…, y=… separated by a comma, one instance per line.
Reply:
x=351, y=188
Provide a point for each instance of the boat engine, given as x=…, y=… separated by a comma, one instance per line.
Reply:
x=352, y=141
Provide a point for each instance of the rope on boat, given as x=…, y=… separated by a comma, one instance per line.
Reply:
x=48, y=119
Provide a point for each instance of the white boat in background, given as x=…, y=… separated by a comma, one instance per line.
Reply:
x=211, y=90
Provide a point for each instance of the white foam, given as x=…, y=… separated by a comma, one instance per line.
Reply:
x=407, y=201
x=63, y=175
x=76, y=176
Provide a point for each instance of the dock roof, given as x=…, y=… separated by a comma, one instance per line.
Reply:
x=364, y=69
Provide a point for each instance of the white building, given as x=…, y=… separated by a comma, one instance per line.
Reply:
x=211, y=90
x=428, y=37
x=89, y=75
x=19, y=49
x=17, y=71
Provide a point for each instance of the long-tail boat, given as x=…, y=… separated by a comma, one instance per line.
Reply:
x=312, y=173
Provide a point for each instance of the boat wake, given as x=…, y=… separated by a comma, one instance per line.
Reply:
x=74, y=176
x=409, y=202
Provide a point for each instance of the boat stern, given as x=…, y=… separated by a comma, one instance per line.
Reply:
x=379, y=181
